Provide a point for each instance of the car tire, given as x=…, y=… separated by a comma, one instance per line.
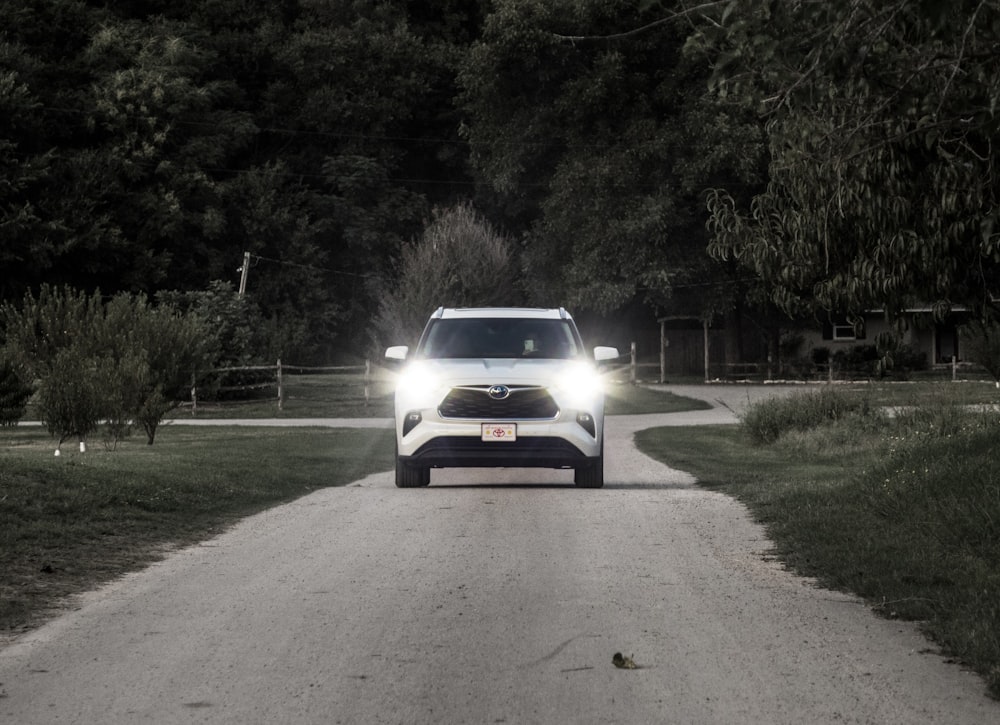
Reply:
x=591, y=475
x=408, y=476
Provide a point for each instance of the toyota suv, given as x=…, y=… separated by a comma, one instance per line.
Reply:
x=498, y=387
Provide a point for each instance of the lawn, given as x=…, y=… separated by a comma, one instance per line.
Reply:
x=903, y=509
x=71, y=522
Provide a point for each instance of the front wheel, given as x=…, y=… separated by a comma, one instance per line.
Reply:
x=591, y=475
x=408, y=476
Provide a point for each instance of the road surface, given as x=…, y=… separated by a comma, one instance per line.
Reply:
x=496, y=596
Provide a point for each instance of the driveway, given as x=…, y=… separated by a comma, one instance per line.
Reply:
x=494, y=596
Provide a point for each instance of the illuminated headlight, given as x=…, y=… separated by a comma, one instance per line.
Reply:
x=579, y=386
x=416, y=387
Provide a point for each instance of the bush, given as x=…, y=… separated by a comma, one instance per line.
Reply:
x=117, y=362
x=867, y=361
x=857, y=360
x=14, y=394
x=767, y=420
x=70, y=400
x=981, y=342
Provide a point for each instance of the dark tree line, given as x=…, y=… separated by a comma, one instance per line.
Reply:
x=146, y=146
x=746, y=159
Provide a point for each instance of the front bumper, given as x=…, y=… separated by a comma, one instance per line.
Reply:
x=448, y=443
x=464, y=451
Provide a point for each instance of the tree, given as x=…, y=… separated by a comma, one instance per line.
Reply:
x=147, y=146
x=113, y=362
x=884, y=182
x=70, y=401
x=459, y=261
x=603, y=143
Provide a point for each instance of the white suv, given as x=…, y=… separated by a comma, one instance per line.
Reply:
x=496, y=387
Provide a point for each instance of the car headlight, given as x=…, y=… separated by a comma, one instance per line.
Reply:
x=417, y=386
x=580, y=386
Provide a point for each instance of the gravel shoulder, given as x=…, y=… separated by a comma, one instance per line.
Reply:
x=492, y=596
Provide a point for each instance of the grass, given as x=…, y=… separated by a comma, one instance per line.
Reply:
x=69, y=523
x=625, y=399
x=903, y=511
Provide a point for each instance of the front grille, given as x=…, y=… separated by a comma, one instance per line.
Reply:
x=522, y=403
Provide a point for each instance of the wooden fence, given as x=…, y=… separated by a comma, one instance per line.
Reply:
x=278, y=379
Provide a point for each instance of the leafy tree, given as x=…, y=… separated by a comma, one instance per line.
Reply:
x=147, y=146
x=459, y=261
x=151, y=355
x=70, y=400
x=884, y=182
x=230, y=324
x=602, y=142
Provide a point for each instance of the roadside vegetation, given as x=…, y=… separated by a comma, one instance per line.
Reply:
x=900, y=506
x=70, y=523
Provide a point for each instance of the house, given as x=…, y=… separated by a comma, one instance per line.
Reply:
x=688, y=345
x=936, y=340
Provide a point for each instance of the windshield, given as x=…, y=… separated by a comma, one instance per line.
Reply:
x=500, y=338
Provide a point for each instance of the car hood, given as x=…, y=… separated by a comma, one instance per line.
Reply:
x=491, y=371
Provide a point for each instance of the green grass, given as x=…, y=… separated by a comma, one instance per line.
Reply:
x=905, y=514
x=69, y=523
x=625, y=399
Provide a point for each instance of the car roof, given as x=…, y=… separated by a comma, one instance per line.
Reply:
x=535, y=313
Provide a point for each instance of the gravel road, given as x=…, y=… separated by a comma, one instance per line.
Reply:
x=493, y=596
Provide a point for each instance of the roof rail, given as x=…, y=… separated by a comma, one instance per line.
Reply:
x=438, y=312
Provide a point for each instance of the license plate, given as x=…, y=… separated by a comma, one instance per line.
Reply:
x=494, y=432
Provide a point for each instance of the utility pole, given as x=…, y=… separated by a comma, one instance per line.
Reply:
x=243, y=270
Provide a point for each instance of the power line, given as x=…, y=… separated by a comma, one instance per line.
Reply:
x=311, y=267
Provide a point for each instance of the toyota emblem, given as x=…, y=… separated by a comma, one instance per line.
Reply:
x=499, y=392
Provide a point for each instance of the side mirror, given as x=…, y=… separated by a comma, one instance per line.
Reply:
x=605, y=353
x=397, y=352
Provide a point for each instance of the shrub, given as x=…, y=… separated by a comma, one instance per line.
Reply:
x=14, y=394
x=767, y=420
x=981, y=342
x=860, y=360
x=70, y=401
x=119, y=361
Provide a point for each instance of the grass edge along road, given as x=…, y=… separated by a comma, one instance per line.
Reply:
x=71, y=523
x=902, y=510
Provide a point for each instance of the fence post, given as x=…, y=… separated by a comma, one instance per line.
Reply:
x=281, y=390
x=954, y=368
x=194, y=395
x=633, y=366
x=368, y=375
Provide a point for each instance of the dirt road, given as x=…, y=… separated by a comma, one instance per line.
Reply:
x=490, y=597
